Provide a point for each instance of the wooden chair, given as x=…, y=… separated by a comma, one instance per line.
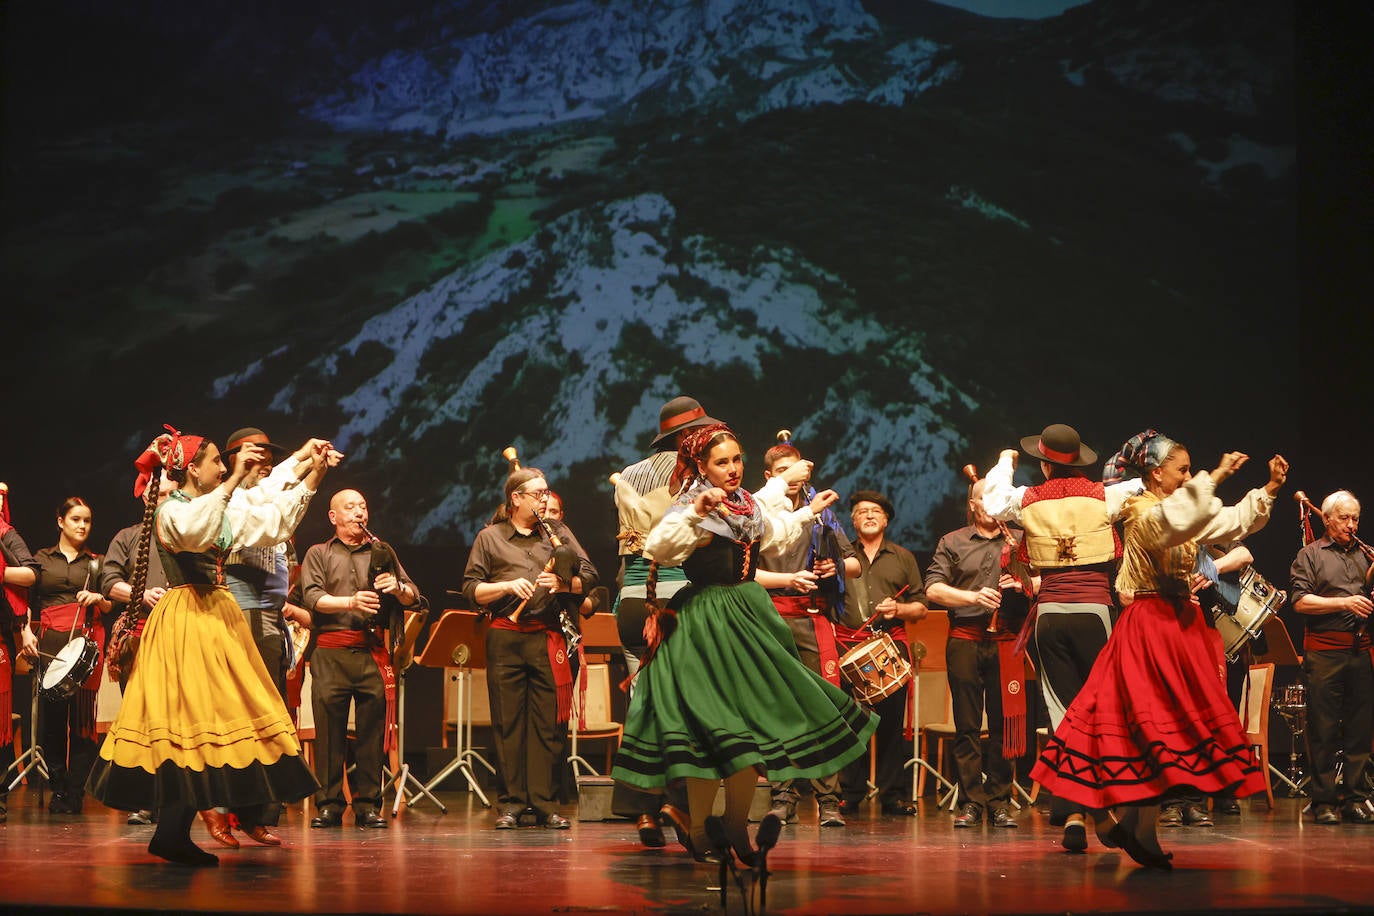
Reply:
x=1254, y=718
x=596, y=710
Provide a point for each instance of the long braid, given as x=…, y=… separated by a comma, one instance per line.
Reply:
x=119, y=656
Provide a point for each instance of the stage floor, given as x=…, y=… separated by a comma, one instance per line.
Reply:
x=457, y=863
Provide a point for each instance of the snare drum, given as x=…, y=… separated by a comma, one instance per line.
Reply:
x=875, y=669
x=1258, y=602
x=1291, y=698
x=69, y=669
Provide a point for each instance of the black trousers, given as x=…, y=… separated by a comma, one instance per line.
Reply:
x=892, y=748
x=339, y=676
x=1066, y=644
x=68, y=751
x=975, y=684
x=1340, y=684
x=524, y=712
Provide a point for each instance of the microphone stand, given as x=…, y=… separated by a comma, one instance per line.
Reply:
x=770, y=828
x=715, y=832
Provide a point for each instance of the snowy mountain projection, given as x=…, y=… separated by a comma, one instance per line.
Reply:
x=435, y=228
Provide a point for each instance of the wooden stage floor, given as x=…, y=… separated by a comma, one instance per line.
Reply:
x=456, y=863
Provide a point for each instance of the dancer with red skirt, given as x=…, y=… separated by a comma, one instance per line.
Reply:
x=1154, y=713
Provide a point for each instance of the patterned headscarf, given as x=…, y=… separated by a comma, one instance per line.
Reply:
x=1137, y=456
x=171, y=450
x=690, y=450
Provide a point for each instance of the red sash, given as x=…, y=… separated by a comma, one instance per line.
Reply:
x=1335, y=640
x=1011, y=672
x=795, y=607
x=352, y=639
x=558, y=660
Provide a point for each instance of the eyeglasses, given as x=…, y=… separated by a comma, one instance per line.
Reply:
x=860, y=513
x=537, y=494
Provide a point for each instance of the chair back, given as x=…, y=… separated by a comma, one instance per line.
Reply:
x=1254, y=703
x=598, y=698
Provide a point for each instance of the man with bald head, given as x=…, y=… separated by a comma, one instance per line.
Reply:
x=343, y=589
x=1330, y=588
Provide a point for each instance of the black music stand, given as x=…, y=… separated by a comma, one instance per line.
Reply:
x=414, y=619
x=459, y=641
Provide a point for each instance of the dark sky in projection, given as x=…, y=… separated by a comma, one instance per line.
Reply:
x=908, y=232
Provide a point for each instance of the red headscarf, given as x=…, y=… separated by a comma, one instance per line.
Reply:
x=171, y=450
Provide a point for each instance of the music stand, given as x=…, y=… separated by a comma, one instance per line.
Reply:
x=458, y=640
x=1281, y=651
x=414, y=620
x=34, y=752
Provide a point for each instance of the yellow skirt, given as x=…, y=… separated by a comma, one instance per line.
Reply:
x=201, y=723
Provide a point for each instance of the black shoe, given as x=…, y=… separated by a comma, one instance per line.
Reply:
x=64, y=804
x=1197, y=816
x=1325, y=814
x=369, y=820
x=1357, y=814
x=970, y=815
x=1001, y=817
x=1075, y=838
x=329, y=817
x=1171, y=816
x=899, y=809
x=1227, y=806
x=141, y=818
x=187, y=853
x=1131, y=846
x=557, y=822
x=830, y=815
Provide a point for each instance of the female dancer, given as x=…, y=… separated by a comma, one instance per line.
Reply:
x=1154, y=713
x=724, y=694
x=68, y=599
x=201, y=723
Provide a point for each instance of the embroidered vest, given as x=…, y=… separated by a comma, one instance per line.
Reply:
x=1066, y=524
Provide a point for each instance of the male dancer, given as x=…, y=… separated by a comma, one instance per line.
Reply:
x=808, y=590
x=1069, y=538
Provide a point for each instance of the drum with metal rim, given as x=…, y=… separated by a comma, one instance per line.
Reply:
x=71, y=667
x=875, y=668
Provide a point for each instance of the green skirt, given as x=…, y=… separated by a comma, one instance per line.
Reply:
x=727, y=690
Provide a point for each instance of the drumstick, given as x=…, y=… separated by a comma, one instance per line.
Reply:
x=868, y=624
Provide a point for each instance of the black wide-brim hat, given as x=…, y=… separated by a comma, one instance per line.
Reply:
x=679, y=414
x=254, y=435
x=1059, y=444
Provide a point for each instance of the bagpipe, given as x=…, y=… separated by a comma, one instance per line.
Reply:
x=563, y=562
x=394, y=624
x=1016, y=603
x=825, y=544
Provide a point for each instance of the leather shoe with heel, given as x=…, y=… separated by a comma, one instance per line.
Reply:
x=370, y=820
x=1197, y=816
x=650, y=833
x=328, y=817
x=970, y=815
x=682, y=826
x=218, y=824
x=1171, y=816
x=1131, y=846
x=1325, y=814
x=1001, y=817
x=263, y=835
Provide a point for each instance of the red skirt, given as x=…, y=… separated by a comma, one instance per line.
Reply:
x=1153, y=714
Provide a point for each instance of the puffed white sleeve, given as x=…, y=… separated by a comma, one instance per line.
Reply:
x=283, y=477
x=271, y=522
x=1185, y=513
x=674, y=538
x=1117, y=494
x=1235, y=523
x=192, y=526
x=1001, y=498
x=783, y=525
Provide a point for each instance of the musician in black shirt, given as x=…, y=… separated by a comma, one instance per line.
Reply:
x=517, y=573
